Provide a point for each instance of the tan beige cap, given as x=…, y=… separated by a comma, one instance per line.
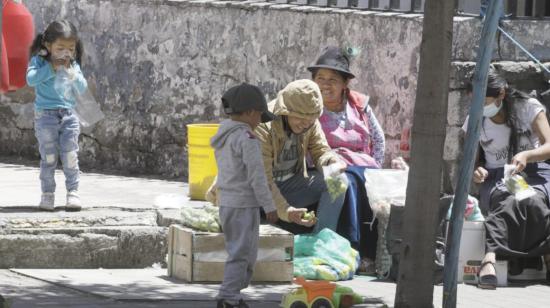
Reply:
x=301, y=98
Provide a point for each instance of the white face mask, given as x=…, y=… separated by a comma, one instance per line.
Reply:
x=491, y=110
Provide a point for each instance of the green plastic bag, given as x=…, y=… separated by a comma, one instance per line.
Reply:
x=324, y=256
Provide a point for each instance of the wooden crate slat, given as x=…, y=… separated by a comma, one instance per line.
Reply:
x=182, y=242
x=211, y=244
x=263, y=271
x=182, y=267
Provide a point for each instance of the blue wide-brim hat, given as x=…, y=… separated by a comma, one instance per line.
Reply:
x=333, y=58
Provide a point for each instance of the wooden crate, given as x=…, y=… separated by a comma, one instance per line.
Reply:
x=184, y=244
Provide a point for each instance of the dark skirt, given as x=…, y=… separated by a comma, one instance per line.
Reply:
x=356, y=214
x=519, y=229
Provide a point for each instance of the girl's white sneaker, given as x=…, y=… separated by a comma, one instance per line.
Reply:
x=47, y=202
x=73, y=201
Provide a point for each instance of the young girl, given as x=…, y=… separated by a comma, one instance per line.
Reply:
x=54, y=53
x=514, y=130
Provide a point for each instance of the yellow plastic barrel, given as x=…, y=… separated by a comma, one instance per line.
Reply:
x=202, y=163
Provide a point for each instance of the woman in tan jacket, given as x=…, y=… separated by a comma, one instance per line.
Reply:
x=294, y=135
x=286, y=142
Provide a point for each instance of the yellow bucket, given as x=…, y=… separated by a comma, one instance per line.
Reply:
x=202, y=163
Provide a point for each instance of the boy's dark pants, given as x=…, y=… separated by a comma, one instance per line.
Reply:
x=241, y=230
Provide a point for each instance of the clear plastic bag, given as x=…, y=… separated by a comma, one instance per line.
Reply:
x=516, y=184
x=336, y=181
x=87, y=108
x=64, y=83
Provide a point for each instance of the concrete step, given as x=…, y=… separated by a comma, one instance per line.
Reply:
x=92, y=238
x=116, y=247
x=123, y=224
x=31, y=217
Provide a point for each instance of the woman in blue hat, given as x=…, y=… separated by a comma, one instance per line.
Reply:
x=354, y=133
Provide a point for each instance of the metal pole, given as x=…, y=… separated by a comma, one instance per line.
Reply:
x=486, y=44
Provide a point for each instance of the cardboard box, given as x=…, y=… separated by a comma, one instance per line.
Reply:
x=197, y=256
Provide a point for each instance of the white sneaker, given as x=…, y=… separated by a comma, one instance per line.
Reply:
x=73, y=201
x=47, y=202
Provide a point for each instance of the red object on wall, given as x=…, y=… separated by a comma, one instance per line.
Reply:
x=4, y=77
x=17, y=37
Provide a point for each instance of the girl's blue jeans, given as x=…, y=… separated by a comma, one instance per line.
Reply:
x=57, y=133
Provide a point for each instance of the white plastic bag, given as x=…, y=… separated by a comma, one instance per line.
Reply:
x=386, y=187
x=336, y=181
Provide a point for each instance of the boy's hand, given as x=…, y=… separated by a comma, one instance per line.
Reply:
x=272, y=217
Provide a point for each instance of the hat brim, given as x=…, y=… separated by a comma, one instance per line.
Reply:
x=267, y=116
x=330, y=67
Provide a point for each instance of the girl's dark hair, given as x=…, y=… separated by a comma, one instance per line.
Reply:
x=58, y=29
x=496, y=83
x=345, y=76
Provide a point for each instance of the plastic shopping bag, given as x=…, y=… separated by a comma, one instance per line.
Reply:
x=204, y=218
x=87, y=108
x=336, y=181
x=386, y=187
x=325, y=255
x=516, y=184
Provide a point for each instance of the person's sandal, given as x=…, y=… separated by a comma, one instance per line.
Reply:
x=488, y=281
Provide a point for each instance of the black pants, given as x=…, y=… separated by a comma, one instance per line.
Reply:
x=518, y=229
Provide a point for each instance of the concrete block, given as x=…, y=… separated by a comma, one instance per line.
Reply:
x=86, y=218
x=126, y=247
x=460, y=74
x=453, y=143
x=167, y=217
x=458, y=107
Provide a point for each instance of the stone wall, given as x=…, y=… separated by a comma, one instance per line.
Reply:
x=155, y=66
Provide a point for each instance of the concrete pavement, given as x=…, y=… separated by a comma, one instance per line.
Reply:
x=124, y=226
